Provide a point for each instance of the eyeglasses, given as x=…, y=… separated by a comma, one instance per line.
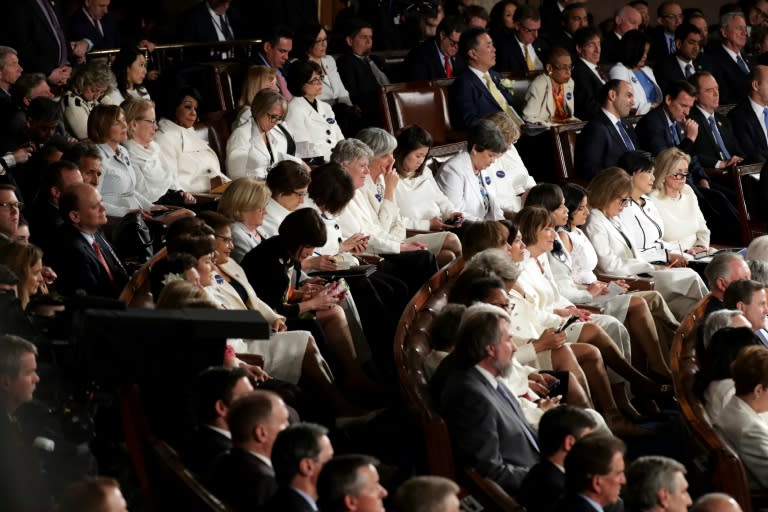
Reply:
x=150, y=121
x=316, y=80
x=672, y=16
x=527, y=30
x=679, y=176
x=322, y=40
x=299, y=194
x=226, y=239
x=624, y=201
x=275, y=119
x=10, y=206
x=508, y=307
x=563, y=67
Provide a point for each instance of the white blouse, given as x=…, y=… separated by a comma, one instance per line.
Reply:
x=420, y=199
x=333, y=88
x=273, y=218
x=684, y=224
x=146, y=160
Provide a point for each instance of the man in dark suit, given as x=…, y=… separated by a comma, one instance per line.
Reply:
x=594, y=474
x=729, y=65
x=489, y=431
x=662, y=37
x=574, y=17
x=559, y=429
x=210, y=20
x=656, y=483
x=274, y=54
x=587, y=76
x=478, y=92
x=94, y=23
x=215, y=390
x=84, y=260
x=749, y=297
x=9, y=212
x=716, y=145
x=10, y=71
x=626, y=18
x=428, y=493
x=362, y=74
x=749, y=116
x=686, y=61
x=244, y=478
x=606, y=137
x=299, y=454
x=526, y=51
x=350, y=483
x=436, y=57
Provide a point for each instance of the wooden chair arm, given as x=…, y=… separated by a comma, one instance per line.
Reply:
x=489, y=493
x=252, y=359
x=635, y=283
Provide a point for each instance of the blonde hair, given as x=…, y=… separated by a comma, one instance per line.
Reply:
x=256, y=79
x=178, y=294
x=134, y=108
x=20, y=258
x=508, y=127
x=666, y=161
x=242, y=195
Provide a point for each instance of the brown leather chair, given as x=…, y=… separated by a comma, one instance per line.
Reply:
x=419, y=103
x=564, y=139
x=749, y=201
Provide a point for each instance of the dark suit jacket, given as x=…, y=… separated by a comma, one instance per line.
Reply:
x=574, y=503
x=731, y=79
x=242, y=481
x=706, y=145
x=196, y=25
x=204, y=448
x=542, y=487
x=44, y=223
x=78, y=267
x=668, y=70
x=653, y=132
x=424, y=63
x=32, y=36
x=749, y=131
x=287, y=500
x=509, y=56
x=471, y=100
x=599, y=145
x=268, y=276
x=80, y=27
x=610, y=52
x=359, y=80
x=562, y=39
x=485, y=430
x=586, y=90
x=659, y=45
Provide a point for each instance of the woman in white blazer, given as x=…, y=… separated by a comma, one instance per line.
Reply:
x=310, y=120
x=255, y=147
x=609, y=194
x=549, y=99
x=87, y=86
x=183, y=152
x=510, y=180
x=632, y=69
x=464, y=179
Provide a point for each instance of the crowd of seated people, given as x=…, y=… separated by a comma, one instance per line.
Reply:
x=307, y=187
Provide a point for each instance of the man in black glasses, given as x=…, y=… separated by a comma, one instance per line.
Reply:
x=10, y=209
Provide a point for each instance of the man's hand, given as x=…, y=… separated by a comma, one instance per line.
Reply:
x=691, y=129
x=60, y=75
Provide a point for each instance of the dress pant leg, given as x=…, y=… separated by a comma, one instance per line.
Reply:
x=720, y=214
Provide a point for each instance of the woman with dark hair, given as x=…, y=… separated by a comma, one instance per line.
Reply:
x=549, y=98
x=130, y=69
x=310, y=120
x=422, y=204
x=288, y=183
x=502, y=31
x=273, y=269
x=632, y=68
x=183, y=152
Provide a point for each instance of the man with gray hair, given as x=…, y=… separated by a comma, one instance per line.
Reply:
x=728, y=63
x=427, y=494
x=716, y=502
x=656, y=484
x=758, y=249
x=759, y=271
x=10, y=71
x=626, y=18
x=720, y=319
x=489, y=431
x=724, y=268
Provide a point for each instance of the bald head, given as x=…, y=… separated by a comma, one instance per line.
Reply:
x=716, y=502
x=627, y=18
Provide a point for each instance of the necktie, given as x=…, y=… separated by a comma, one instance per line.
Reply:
x=283, y=86
x=625, y=136
x=522, y=422
x=688, y=70
x=483, y=192
x=725, y=155
x=53, y=21
x=675, y=136
x=602, y=74
x=378, y=74
x=225, y=30
x=448, y=68
x=102, y=260
x=765, y=118
x=528, y=58
x=500, y=100
x=671, y=41
x=742, y=65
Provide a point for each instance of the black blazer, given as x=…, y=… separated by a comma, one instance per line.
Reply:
x=204, y=448
x=542, y=487
x=32, y=36
x=706, y=146
x=44, y=223
x=668, y=70
x=78, y=267
x=659, y=45
x=574, y=503
x=509, y=56
x=287, y=500
x=242, y=481
x=732, y=80
x=424, y=63
x=562, y=39
x=610, y=50
x=80, y=27
x=749, y=131
x=266, y=267
x=196, y=25
x=485, y=430
x=599, y=145
x=359, y=80
x=471, y=100
x=586, y=90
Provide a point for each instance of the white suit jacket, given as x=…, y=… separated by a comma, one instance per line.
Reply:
x=747, y=433
x=460, y=185
x=188, y=157
x=247, y=153
x=316, y=132
x=381, y=220
x=540, y=100
x=614, y=256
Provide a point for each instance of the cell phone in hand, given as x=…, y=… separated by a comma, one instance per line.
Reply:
x=571, y=319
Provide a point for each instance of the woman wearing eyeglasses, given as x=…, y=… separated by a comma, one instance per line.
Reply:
x=549, y=99
x=288, y=182
x=609, y=193
x=255, y=148
x=310, y=120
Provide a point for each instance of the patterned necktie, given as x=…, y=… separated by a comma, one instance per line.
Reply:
x=225, y=30
x=448, y=68
x=527, y=430
x=102, y=260
x=602, y=74
x=742, y=65
x=528, y=58
x=688, y=70
x=625, y=136
x=671, y=41
x=483, y=192
x=724, y=154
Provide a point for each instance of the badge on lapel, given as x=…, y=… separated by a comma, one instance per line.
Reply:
x=500, y=174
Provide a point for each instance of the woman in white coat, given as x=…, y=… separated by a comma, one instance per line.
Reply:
x=87, y=87
x=549, y=99
x=510, y=181
x=632, y=69
x=310, y=120
x=464, y=178
x=183, y=152
x=256, y=147
x=609, y=193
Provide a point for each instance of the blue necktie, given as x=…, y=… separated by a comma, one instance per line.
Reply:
x=625, y=136
x=671, y=41
x=742, y=65
x=725, y=155
x=529, y=433
x=688, y=70
x=675, y=136
x=765, y=117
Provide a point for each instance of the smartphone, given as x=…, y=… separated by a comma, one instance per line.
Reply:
x=455, y=220
x=567, y=323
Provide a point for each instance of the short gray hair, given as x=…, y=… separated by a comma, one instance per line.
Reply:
x=720, y=267
x=4, y=52
x=718, y=320
x=726, y=18
x=94, y=72
x=380, y=141
x=495, y=262
x=646, y=476
x=12, y=348
x=758, y=249
x=478, y=329
x=264, y=101
x=759, y=271
x=349, y=150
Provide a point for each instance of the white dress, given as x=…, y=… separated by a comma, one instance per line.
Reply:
x=120, y=184
x=509, y=180
x=316, y=132
x=146, y=160
x=420, y=199
x=679, y=234
x=184, y=154
x=249, y=155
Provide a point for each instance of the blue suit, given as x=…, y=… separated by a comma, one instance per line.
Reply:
x=471, y=100
x=599, y=145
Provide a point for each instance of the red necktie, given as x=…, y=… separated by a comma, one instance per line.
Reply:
x=102, y=260
x=448, y=69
